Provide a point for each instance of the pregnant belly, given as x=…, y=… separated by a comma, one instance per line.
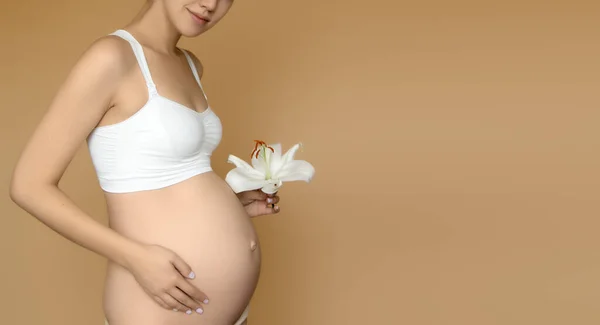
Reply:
x=202, y=221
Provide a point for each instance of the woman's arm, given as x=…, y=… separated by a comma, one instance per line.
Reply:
x=78, y=106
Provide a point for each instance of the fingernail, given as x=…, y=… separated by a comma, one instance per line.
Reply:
x=192, y=275
x=189, y=312
x=205, y=301
x=175, y=309
x=199, y=310
x=270, y=200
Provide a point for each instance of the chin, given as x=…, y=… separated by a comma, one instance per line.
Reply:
x=193, y=31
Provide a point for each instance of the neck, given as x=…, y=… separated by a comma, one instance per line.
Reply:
x=153, y=29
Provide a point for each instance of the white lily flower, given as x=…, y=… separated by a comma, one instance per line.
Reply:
x=269, y=169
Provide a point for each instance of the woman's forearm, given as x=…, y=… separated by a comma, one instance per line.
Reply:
x=52, y=207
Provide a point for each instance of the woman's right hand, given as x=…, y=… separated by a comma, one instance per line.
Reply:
x=164, y=276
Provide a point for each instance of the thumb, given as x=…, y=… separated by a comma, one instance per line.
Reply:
x=261, y=209
x=183, y=267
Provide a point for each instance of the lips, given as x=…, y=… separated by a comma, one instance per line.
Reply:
x=200, y=17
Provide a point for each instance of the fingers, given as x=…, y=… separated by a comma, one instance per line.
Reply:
x=248, y=197
x=257, y=195
x=173, y=304
x=272, y=209
x=273, y=200
x=192, y=291
x=183, y=295
x=183, y=267
x=186, y=301
x=162, y=303
x=272, y=206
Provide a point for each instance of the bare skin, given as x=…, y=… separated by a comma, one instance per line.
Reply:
x=190, y=246
x=204, y=222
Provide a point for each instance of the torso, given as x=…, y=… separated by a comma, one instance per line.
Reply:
x=199, y=218
x=202, y=220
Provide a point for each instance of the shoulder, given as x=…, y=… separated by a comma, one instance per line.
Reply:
x=108, y=55
x=97, y=73
x=197, y=63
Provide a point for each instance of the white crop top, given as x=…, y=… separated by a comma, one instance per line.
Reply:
x=162, y=144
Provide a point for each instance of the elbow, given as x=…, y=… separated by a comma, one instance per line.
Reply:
x=25, y=187
x=21, y=190
x=17, y=191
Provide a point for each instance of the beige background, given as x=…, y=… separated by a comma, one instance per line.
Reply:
x=456, y=145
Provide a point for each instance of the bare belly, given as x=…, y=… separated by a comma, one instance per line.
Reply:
x=202, y=220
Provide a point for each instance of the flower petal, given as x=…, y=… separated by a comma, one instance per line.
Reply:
x=277, y=148
x=239, y=181
x=296, y=170
x=289, y=156
x=274, y=158
x=259, y=164
x=246, y=169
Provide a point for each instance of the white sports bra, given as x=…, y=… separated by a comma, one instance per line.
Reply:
x=162, y=144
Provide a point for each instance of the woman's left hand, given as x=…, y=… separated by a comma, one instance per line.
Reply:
x=258, y=203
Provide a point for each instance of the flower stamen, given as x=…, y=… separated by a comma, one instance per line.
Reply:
x=258, y=150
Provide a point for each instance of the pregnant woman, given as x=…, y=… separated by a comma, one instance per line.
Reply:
x=181, y=247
